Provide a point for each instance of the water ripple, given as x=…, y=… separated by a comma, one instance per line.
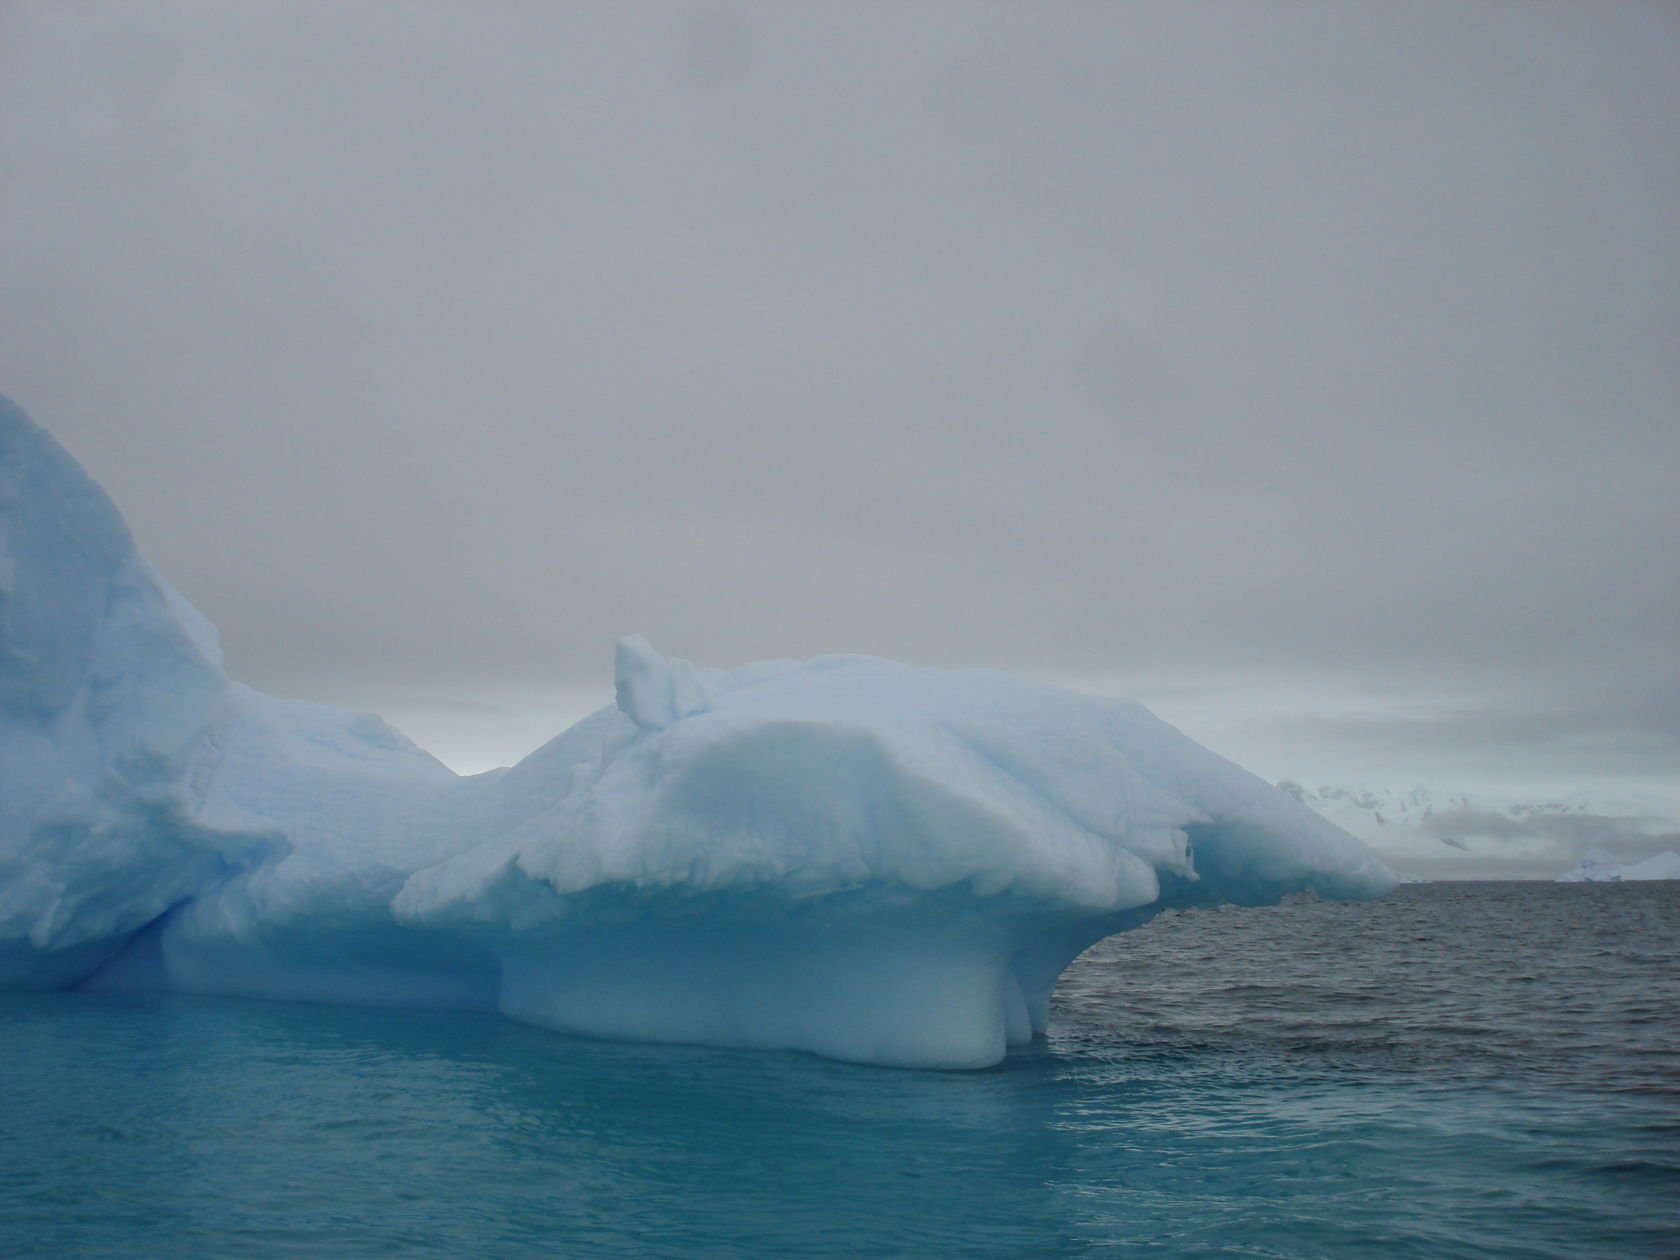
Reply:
x=1475, y=1071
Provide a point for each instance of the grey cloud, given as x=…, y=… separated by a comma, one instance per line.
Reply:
x=449, y=342
x=1617, y=730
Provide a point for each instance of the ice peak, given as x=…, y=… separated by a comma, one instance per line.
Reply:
x=654, y=691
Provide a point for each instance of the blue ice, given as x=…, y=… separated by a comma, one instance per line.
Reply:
x=844, y=855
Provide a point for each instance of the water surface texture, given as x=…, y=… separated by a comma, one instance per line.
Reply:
x=1458, y=1070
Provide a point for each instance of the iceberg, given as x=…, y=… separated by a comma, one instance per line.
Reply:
x=845, y=855
x=1599, y=867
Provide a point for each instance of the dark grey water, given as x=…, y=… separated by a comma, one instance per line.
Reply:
x=1465, y=1070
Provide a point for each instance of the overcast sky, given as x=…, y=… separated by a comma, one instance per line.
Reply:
x=1308, y=370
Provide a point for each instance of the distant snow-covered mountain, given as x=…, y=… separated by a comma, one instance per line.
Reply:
x=1374, y=812
x=1599, y=867
x=1366, y=810
x=1448, y=834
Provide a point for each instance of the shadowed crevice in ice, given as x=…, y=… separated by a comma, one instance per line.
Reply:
x=844, y=855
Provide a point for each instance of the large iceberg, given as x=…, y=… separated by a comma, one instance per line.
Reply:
x=844, y=855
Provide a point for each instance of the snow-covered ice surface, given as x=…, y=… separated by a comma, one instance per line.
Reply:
x=1599, y=867
x=844, y=855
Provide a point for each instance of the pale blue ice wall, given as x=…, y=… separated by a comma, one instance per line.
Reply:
x=109, y=687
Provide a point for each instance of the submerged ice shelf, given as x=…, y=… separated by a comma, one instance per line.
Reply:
x=844, y=855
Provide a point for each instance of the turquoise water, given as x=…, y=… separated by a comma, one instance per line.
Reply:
x=1459, y=1070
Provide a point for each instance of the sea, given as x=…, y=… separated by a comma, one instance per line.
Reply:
x=1458, y=1070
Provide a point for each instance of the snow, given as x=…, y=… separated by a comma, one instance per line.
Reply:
x=1599, y=867
x=845, y=855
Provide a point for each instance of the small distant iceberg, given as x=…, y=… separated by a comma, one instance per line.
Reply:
x=1599, y=867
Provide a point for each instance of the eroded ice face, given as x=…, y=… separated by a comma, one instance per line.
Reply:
x=844, y=855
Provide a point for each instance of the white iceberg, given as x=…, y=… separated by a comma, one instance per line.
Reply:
x=1599, y=867
x=844, y=855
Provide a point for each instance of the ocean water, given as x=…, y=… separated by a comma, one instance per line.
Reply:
x=1475, y=1070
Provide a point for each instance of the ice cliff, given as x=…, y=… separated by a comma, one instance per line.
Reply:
x=844, y=855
